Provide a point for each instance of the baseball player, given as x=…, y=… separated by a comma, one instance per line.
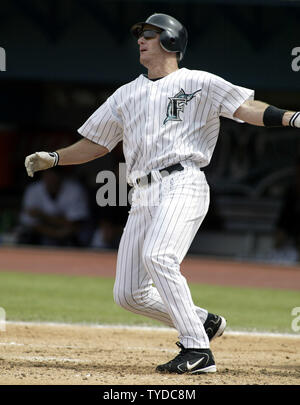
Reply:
x=168, y=120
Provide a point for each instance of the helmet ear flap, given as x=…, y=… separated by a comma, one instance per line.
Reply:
x=168, y=41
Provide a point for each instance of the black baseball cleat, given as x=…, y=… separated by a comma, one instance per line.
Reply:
x=190, y=361
x=214, y=326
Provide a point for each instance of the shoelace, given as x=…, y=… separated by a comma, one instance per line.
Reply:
x=182, y=351
x=180, y=345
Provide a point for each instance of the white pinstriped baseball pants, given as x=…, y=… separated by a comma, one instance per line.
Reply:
x=161, y=226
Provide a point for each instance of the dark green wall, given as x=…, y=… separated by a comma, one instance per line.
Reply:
x=88, y=40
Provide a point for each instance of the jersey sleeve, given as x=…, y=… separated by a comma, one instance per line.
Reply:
x=104, y=126
x=227, y=97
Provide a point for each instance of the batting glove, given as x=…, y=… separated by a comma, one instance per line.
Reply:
x=40, y=161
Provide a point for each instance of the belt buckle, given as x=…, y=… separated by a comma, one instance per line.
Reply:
x=140, y=180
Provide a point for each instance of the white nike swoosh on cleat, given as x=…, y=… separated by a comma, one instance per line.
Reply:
x=210, y=369
x=190, y=366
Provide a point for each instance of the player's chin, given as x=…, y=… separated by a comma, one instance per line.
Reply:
x=144, y=58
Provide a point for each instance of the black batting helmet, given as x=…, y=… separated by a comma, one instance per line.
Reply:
x=173, y=37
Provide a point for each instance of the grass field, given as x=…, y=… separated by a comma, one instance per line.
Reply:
x=74, y=299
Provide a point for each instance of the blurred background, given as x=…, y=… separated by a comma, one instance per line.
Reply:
x=64, y=58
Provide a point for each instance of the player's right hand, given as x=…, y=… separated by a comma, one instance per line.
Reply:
x=39, y=161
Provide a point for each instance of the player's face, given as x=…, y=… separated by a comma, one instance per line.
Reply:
x=149, y=44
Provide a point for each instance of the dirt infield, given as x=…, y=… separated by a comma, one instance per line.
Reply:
x=200, y=270
x=80, y=355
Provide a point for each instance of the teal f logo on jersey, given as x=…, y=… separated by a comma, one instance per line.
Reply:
x=176, y=105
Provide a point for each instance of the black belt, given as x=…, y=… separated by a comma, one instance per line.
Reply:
x=147, y=179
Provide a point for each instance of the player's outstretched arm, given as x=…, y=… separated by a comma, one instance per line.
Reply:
x=262, y=114
x=80, y=152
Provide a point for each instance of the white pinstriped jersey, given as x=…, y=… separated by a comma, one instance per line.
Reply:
x=166, y=121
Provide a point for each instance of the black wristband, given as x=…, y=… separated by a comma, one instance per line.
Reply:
x=273, y=116
x=56, y=157
x=293, y=119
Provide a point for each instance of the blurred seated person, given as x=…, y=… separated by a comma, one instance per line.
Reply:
x=110, y=227
x=112, y=219
x=287, y=235
x=54, y=211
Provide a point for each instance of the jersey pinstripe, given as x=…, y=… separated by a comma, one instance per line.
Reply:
x=135, y=114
